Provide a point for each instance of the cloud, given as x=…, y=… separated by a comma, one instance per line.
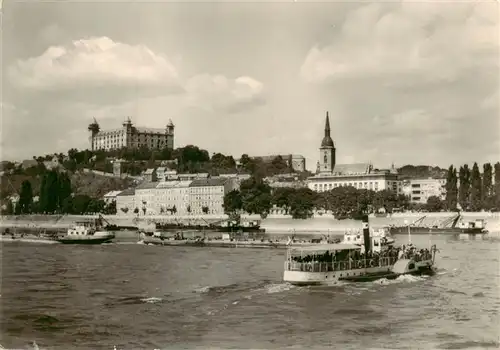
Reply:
x=426, y=41
x=95, y=62
x=220, y=94
x=106, y=73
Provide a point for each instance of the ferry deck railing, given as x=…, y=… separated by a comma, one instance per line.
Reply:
x=338, y=265
x=315, y=266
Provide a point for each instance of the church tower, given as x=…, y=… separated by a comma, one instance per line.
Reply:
x=327, y=151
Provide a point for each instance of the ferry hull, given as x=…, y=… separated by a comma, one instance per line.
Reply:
x=331, y=277
x=401, y=267
x=99, y=240
x=427, y=230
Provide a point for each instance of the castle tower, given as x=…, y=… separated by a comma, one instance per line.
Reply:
x=127, y=133
x=169, y=131
x=93, y=129
x=327, y=151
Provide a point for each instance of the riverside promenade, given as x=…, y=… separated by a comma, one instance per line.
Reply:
x=273, y=224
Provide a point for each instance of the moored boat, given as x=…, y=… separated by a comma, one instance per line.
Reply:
x=86, y=232
x=371, y=260
x=452, y=225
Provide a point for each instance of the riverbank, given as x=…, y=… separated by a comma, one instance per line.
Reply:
x=273, y=224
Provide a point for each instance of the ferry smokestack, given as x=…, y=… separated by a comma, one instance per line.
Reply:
x=366, y=234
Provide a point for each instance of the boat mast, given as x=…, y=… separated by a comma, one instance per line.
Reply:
x=409, y=231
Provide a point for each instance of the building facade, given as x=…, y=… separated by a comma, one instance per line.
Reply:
x=186, y=197
x=125, y=202
x=419, y=190
x=208, y=194
x=330, y=175
x=130, y=136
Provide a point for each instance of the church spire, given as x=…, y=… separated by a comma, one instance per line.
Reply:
x=327, y=126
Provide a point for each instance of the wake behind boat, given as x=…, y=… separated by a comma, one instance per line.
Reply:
x=373, y=259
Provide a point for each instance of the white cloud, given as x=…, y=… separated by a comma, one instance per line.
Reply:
x=431, y=41
x=95, y=62
x=218, y=93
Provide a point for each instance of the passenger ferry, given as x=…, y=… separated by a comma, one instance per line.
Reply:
x=86, y=233
x=371, y=260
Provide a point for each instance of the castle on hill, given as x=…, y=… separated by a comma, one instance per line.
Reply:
x=130, y=136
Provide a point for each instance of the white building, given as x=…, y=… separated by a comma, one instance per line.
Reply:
x=111, y=196
x=330, y=175
x=175, y=197
x=172, y=197
x=131, y=136
x=209, y=194
x=419, y=190
x=125, y=202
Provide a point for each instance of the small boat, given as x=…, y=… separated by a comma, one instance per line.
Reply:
x=86, y=232
x=369, y=261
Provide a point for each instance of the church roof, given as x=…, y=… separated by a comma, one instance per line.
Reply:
x=351, y=169
x=327, y=142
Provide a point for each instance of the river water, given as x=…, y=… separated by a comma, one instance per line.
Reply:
x=150, y=297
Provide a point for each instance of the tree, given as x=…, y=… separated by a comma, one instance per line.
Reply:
x=136, y=211
x=434, y=204
x=81, y=204
x=49, y=192
x=451, y=189
x=232, y=201
x=25, y=204
x=256, y=196
x=188, y=209
x=302, y=203
x=464, y=191
x=174, y=209
x=64, y=188
x=9, y=208
x=204, y=210
x=475, y=189
x=281, y=197
x=110, y=208
x=497, y=185
x=487, y=187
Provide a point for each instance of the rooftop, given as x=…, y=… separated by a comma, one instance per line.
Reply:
x=112, y=193
x=127, y=192
x=208, y=182
x=147, y=185
x=173, y=184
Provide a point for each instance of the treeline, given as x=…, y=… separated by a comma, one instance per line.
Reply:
x=55, y=197
x=188, y=159
x=257, y=197
x=421, y=171
x=472, y=191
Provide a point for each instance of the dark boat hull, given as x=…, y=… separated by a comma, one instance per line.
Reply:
x=422, y=271
x=427, y=230
x=209, y=228
x=92, y=241
x=242, y=229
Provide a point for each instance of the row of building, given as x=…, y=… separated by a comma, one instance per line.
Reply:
x=164, y=191
x=187, y=194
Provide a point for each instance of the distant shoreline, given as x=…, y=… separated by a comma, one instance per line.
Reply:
x=272, y=224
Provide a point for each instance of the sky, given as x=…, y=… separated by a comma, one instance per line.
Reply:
x=404, y=82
